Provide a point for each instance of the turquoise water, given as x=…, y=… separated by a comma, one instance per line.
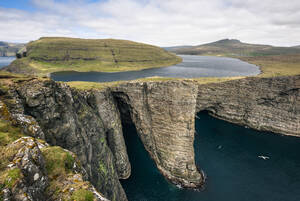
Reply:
x=228, y=154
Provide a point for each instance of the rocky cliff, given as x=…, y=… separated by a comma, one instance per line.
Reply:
x=89, y=123
x=266, y=104
x=67, y=120
x=163, y=114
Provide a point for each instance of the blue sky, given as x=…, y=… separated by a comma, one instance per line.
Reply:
x=158, y=22
x=18, y=4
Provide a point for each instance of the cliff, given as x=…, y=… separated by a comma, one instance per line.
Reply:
x=67, y=120
x=89, y=122
x=163, y=114
x=30, y=169
x=266, y=104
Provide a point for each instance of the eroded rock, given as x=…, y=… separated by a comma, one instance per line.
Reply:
x=164, y=113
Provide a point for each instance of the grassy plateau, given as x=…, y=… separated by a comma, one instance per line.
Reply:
x=54, y=54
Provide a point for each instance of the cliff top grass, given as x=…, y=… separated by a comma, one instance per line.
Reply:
x=278, y=65
x=103, y=85
x=52, y=54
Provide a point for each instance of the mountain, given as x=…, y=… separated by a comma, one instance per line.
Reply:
x=10, y=49
x=233, y=47
x=51, y=54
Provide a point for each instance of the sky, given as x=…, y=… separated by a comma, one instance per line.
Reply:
x=157, y=22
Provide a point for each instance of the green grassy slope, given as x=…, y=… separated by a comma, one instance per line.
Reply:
x=234, y=47
x=106, y=55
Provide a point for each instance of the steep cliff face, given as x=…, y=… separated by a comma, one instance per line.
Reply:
x=106, y=107
x=88, y=123
x=163, y=114
x=67, y=120
x=30, y=169
x=267, y=104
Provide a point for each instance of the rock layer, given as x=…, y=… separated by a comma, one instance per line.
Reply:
x=266, y=104
x=163, y=114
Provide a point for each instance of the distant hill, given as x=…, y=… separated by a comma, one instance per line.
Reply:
x=51, y=54
x=297, y=46
x=10, y=49
x=233, y=47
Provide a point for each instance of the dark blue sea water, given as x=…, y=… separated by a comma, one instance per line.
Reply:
x=5, y=61
x=191, y=67
x=228, y=154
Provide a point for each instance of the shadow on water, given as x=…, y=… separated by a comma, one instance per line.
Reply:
x=228, y=154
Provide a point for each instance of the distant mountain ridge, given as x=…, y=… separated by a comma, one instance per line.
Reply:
x=234, y=47
x=10, y=49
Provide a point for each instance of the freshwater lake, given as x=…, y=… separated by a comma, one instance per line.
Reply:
x=5, y=61
x=191, y=67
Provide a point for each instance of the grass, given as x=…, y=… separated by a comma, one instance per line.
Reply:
x=58, y=161
x=279, y=65
x=63, y=183
x=8, y=133
x=234, y=48
x=82, y=195
x=104, y=85
x=48, y=55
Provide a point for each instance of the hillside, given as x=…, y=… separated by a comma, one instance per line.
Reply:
x=232, y=47
x=10, y=49
x=48, y=55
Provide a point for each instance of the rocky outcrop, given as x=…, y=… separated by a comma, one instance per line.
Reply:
x=37, y=171
x=163, y=114
x=26, y=176
x=266, y=104
x=30, y=169
x=67, y=120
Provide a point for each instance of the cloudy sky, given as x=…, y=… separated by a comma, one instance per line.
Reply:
x=158, y=22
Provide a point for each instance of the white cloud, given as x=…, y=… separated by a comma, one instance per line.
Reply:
x=164, y=23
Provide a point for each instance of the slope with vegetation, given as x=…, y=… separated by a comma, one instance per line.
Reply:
x=235, y=48
x=48, y=55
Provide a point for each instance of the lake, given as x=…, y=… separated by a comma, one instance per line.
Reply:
x=5, y=61
x=229, y=156
x=191, y=67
